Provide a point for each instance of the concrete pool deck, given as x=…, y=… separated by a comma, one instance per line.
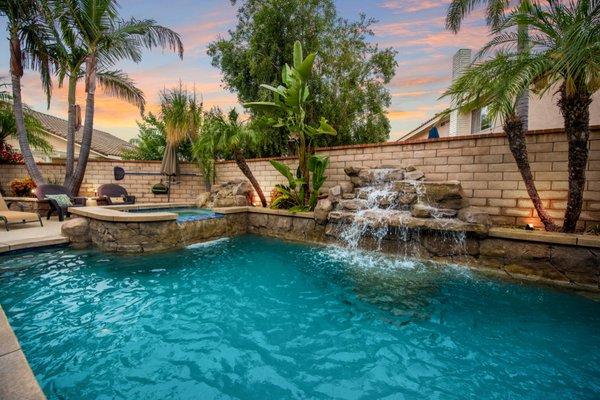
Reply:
x=32, y=235
x=17, y=381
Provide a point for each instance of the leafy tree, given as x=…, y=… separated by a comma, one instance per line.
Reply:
x=228, y=137
x=28, y=36
x=151, y=142
x=350, y=72
x=289, y=109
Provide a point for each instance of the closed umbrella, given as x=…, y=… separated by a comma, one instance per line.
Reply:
x=170, y=166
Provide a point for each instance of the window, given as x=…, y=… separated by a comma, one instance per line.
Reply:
x=480, y=120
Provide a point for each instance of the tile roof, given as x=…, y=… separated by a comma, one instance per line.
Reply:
x=102, y=142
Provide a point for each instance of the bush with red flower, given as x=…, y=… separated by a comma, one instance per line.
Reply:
x=8, y=155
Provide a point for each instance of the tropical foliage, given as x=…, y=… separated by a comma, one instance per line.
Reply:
x=28, y=38
x=228, y=137
x=151, y=141
x=349, y=85
x=291, y=196
x=494, y=13
x=564, y=56
x=289, y=111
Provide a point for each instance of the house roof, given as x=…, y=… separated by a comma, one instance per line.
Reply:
x=425, y=125
x=102, y=142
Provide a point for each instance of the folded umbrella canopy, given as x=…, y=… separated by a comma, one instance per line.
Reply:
x=170, y=166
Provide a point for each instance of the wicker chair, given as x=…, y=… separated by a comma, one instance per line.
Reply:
x=44, y=190
x=109, y=192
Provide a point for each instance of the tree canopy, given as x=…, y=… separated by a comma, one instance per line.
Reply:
x=350, y=74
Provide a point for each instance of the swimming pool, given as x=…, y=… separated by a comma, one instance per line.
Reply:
x=255, y=318
x=184, y=214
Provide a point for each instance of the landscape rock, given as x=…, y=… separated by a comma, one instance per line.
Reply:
x=474, y=215
x=421, y=210
x=414, y=175
x=232, y=193
x=78, y=232
x=324, y=206
x=347, y=187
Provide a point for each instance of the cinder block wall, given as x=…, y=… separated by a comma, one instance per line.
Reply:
x=483, y=163
x=99, y=172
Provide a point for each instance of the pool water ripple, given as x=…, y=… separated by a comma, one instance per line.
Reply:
x=257, y=318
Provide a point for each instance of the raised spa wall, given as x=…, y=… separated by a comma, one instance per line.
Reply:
x=559, y=259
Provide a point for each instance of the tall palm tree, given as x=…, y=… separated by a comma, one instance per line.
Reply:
x=495, y=9
x=102, y=39
x=28, y=35
x=564, y=52
x=229, y=137
x=69, y=54
x=497, y=84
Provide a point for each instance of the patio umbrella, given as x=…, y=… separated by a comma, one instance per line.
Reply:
x=170, y=166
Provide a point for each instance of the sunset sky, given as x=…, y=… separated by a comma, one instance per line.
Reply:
x=415, y=28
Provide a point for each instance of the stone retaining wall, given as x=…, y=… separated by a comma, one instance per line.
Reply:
x=482, y=163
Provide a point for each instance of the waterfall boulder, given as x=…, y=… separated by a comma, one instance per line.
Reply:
x=421, y=210
x=414, y=175
x=324, y=206
x=474, y=215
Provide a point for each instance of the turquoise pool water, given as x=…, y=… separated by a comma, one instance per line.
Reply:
x=257, y=318
x=184, y=214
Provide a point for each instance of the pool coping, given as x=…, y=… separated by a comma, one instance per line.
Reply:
x=17, y=381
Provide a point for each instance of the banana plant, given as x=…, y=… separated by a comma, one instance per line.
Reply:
x=317, y=166
x=289, y=111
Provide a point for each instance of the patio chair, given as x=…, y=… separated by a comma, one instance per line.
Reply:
x=11, y=217
x=54, y=195
x=111, y=194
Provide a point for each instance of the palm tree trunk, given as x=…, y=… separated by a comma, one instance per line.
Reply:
x=522, y=105
x=88, y=129
x=513, y=128
x=243, y=166
x=575, y=109
x=70, y=161
x=16, y=72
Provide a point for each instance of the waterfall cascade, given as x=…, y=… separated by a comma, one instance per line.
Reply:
x=389, y=203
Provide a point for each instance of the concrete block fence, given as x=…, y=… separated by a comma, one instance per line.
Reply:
x=99, y=172
x=482, y=163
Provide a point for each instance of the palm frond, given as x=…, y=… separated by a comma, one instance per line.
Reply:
x=119, y=84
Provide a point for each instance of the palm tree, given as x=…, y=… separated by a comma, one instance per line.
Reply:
x=564, y=53
x=497, y=84
x=229, y=137
x=28, y=36
x=69, y=53
x=96, y=39
x=36, y=135
x=457, y=12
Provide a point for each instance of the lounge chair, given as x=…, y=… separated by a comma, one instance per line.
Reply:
x=112, y=194
x=11, y=217
x=43, y=191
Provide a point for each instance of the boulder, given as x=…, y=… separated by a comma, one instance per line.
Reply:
x=473, y=215
x=353, y=205
x=347, y=187
x=335, y=192
x=414, y=175
x=421, y=210
x=324, y=206
x=352, y=170
x=78, y=231
x=202, y=199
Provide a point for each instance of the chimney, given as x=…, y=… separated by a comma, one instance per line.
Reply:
x=460, y=124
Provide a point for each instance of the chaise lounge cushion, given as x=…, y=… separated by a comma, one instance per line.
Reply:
x=19, y=216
